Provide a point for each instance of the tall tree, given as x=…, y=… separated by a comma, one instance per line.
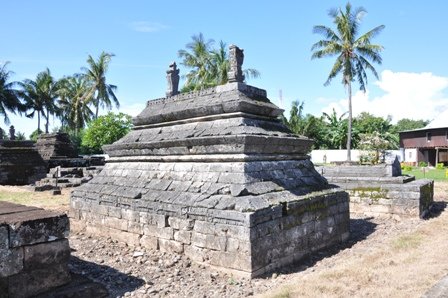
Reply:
x=9, y=95
x=208, y=66
x=39, y=96
x=75, y=97
x=102, y=92
x=353, y=53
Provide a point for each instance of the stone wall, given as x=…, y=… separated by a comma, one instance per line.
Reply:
x=20, y=163
x=381, y=190
x=236, y=238
x=34, y=251
x=412, y=199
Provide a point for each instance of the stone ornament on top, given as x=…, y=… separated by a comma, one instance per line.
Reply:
x=172, y=77
x=236, y=59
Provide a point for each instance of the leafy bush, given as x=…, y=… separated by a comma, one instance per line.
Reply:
x=422, y=164
x=35, y=134
x=105, y=130
x=440, y=166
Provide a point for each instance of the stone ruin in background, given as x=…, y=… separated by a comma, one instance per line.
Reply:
x=65, y=167
x=20, y=163
x=216, y=176
x=381, y=190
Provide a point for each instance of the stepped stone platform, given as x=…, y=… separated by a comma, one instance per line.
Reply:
x=20, y=163
x=34, y=250
x=216, y=176
x=381, y=190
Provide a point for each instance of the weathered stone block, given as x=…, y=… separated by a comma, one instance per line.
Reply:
x=26, y=284
x=171, y=246
x=149, y=242
x=11, y=261
x=42, y=255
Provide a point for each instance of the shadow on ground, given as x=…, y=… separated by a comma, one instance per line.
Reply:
x=116, y=282
x=436, y=209
x=360, y=229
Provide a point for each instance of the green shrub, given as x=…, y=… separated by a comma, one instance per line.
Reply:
x=422, y=164
x=406, y=168
x=440, y=166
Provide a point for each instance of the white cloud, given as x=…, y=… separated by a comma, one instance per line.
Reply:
x=132, y=109
x=147, y=27
x=406, y=95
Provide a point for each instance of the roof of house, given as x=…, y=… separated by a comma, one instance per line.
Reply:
x=441, y=121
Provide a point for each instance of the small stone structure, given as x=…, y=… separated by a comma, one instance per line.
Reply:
x=65, y=167
x=216, y=176
x=34, y=250
x=55, y=146
x=20, y=163
x=380, y=190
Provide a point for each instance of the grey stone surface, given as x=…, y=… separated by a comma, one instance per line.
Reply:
x=34, y=252
x=216, y=176
x=20, y=163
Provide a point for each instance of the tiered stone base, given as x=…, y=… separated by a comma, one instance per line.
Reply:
x=34, y=251
x=243, y=217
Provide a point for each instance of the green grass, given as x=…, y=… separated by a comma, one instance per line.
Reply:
x=435, y=174
x=37, y=199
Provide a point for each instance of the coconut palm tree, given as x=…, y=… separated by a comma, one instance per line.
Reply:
x=209, y=66
x=75, y=96
x=352, y=52
x=102, y=92
x=9, y=96
x=39, y=96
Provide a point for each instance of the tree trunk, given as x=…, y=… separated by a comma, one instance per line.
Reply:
x=349, y=128
x=97, y=108
x=46, y=123
x=38, y=122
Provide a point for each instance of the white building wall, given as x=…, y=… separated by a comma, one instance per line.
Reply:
x=410, y=154
x=328, y=156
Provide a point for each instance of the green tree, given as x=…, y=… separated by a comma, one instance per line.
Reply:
x=337, y=128
x=208, y=66
x=409, y=124
x=306, y=125
x=35, y=134
x=75, y=97
x=353, y=53
x=102, y=92
x=34, y=96
x=9, y=95
x=105, y=130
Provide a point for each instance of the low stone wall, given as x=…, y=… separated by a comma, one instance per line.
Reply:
x=246, y=243
x=395, y=196
x=34, y=251
x=20, y=163
x=410, y=199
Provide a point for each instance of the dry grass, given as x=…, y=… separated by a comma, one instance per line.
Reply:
x=24, y=195
x=406, y=265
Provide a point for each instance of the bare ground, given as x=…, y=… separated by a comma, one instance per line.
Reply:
x=383, y=258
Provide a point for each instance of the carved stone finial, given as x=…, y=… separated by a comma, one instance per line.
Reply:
x=12, y=133
x=236, y=58
x=172, y=77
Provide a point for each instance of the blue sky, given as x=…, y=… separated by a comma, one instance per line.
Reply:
x=275, y=35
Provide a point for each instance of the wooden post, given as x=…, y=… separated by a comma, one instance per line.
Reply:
x=437, y=156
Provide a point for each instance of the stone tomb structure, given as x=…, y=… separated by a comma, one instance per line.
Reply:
x=20, y=163
x=34, y=250
x=216, y=176
x=381, y=190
